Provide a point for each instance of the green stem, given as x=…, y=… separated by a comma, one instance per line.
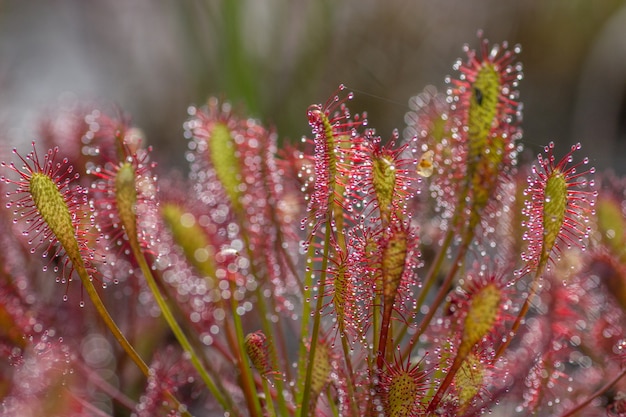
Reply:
x=304, y=405
x=271, y=412
x=271, y=330
x=176, y=329
x=450, y=374
x=108, y=320
x=245, y=368
x=115, y=330
x=305, y=319
x=376, y=320
x=333, y=407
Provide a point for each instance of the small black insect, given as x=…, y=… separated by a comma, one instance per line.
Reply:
x=478, y=95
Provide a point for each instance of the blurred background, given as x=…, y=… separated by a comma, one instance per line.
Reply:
x=273, y=58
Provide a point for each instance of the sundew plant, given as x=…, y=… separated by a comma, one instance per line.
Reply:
x=437, y=271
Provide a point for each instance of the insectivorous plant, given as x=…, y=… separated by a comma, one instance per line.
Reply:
x=434, y=273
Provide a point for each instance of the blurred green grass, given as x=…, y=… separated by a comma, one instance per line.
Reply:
x=273, y=58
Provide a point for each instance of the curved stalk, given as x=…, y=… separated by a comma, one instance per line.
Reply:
x=126, y=199
x=115, y=330
x=176, y=329
x=110, y=323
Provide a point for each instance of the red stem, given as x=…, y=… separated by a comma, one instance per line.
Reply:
x=601, y=391
x=458, y=361
x=443, y=291
x=384, y=332
x=522, y=313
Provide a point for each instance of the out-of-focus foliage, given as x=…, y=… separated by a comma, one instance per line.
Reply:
x=273, y=56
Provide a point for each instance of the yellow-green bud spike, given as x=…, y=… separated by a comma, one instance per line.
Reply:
x=469, y=380
x=485, y=177
x=258, y=352
x=561, y=200
x=483, y=105
x=223, y=155
x=191, y=238
x=401, y=396
x=554, y=208
x=384, y=182
x=612, y=225
x=55, y=212
x=126, y=198
x=393, y=263
x=403, y=388
x=322, y=369
x=482, y=313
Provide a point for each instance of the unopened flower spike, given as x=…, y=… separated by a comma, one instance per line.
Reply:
x=336, y=142
x=324, y=363
x=257, y=348
x=484, y=96
x=560, y=204
x=387, y=177
x=56, y=212
x=403, y=387
x=398, y=259
x=343, y=272
x=485, y=112
x=482, y=309
x=125, y=199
